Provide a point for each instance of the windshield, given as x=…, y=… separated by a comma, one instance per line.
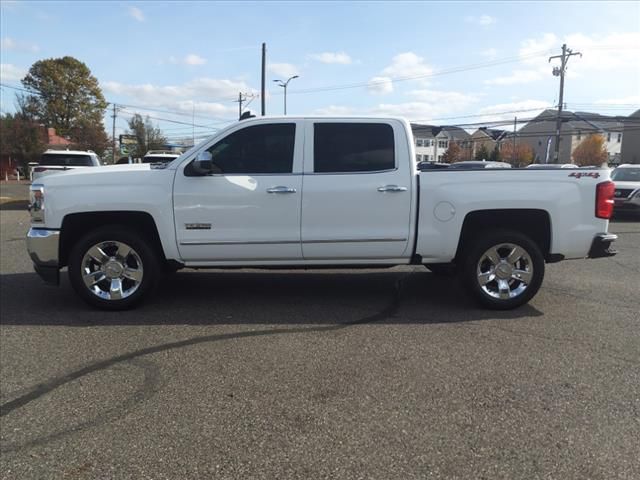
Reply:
x=65, y=160
x=626, y=175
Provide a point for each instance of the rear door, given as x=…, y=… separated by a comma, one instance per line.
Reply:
x=249, y=210
x=357, y=194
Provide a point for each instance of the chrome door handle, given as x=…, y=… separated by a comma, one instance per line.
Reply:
x=392, y=188
x=281, y=189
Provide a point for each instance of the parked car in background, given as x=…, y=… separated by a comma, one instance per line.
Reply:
x=160, y=156
x=422, y=166
x=58, y=161
x=476, y=164
x=552, y=165
x=627, y=193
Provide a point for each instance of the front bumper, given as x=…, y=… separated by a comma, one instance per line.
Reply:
x=601, y=246
x=43, y=247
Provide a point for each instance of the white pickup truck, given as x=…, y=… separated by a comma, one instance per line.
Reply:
x=314, y=192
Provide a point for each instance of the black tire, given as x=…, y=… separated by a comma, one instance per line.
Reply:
x=144, y=260
x=493, y=295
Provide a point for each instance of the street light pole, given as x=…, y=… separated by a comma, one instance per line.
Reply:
x=284, y=85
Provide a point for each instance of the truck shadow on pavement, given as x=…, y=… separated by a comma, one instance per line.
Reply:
x=259, y=298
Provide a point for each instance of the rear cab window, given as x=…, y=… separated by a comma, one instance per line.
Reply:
x=343, y=147
x=66, y=160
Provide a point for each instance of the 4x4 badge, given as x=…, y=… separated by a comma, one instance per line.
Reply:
x=585, y=174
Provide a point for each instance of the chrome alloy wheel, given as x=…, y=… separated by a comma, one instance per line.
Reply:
x=112, y=270
x=504, y=271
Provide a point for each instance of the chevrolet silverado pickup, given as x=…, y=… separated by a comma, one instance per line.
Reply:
x=304, y=192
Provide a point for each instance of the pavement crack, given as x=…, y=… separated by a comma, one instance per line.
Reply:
x=47, y=387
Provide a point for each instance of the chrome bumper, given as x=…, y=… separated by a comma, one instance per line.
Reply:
x=43, y=248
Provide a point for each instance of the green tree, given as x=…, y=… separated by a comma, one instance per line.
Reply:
x=591, y=151
x=495, y=155
x=148, y=136
x=68, y=98
x=482, y=153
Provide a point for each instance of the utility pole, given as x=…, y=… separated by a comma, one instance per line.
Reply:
x=559, y=72
x=262, y=92
x=242, y=97
x=113, y=152
x=513, y=155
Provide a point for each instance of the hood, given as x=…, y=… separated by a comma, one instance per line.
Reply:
x=108, y=174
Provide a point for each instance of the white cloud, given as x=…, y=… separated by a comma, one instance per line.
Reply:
x=8, y=43
x=334, y=110
x=380, y=85
x=11, y=73
x=285, y=70
x=517, y=77
x=631, y=100
x=484, y=20
x=523, y=108
x=331, y=57
x=403, y=65
x=136, y=13
x=491, y=53
x=193, y=59
x=211, y=95
x=407, y=64
x=427, y=105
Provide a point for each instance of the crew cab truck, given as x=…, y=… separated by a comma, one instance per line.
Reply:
x=314, y=192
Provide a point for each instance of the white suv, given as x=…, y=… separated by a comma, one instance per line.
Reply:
x=627, y=194
x=159, y=156
x=58, y=161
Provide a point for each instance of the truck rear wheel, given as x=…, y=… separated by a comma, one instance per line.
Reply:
x=113, y=268
x=503, y=269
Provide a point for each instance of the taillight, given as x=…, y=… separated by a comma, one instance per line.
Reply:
x=39, y=169
x=604, y=199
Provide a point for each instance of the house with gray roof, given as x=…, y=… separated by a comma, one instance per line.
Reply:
x=630, y=150
x=540, y=134
x=432, y=142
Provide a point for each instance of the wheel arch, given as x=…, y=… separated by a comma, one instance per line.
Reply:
x=76, y=225
x=535, y=223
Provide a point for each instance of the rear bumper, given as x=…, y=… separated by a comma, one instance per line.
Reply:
x=601, y=246
x=43, y=247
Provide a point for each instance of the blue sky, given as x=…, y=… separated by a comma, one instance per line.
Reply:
x=401, y=58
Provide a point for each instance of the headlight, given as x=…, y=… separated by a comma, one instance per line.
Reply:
x=36, y=203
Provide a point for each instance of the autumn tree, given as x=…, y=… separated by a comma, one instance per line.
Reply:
x=591, y=151
x=147, y=136
x=67, y=97
x=21, y=139
x=453, y=153
x=482, y=153
x=519, y=156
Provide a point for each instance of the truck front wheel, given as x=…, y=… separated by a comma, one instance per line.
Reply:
x=113, y=268
x=503, y=269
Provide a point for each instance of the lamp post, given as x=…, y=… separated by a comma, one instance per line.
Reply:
x=284, y=85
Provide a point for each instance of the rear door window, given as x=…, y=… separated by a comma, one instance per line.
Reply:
x=353, y=147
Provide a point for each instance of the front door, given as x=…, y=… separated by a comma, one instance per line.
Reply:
x=248, y=208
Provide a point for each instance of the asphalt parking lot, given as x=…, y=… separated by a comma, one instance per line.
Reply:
x=390, y=374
